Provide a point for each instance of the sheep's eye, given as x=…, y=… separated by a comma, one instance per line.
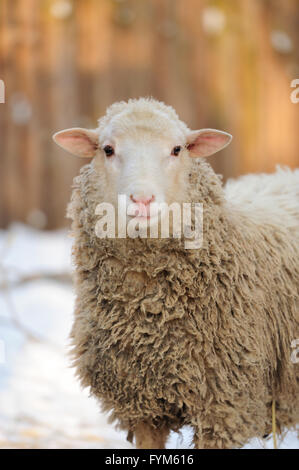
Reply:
x=109, y=151
x=176, y=150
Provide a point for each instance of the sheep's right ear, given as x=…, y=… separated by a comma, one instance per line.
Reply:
x=79, y=142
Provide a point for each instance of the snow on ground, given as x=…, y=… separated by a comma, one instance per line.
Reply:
x=41, y=402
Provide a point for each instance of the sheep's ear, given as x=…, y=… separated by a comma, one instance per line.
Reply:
x=205, y=142
x=79, y=142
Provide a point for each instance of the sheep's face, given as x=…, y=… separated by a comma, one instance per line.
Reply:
x=143, y=152
x=144, y=159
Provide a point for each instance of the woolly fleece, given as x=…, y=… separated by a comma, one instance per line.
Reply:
x=190, y=337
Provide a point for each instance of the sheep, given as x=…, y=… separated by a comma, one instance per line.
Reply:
x=166, y=336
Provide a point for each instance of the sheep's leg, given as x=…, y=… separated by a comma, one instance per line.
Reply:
x=148, y=437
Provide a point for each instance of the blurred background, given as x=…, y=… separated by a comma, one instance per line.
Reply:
x=220, y=63
x=223, y=64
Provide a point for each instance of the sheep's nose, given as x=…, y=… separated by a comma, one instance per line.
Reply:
x=142, y=200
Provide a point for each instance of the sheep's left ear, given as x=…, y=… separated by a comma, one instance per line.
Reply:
x=78, y=141
x=205, y=142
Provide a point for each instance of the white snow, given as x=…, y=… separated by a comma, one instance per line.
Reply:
x=41, y=402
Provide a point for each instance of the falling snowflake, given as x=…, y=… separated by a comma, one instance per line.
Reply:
x=37, y=219
x=21, y=110
x=281, y=41
x=213, y=20
x=61, y=9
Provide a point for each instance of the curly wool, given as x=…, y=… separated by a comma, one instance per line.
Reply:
x=188, y=337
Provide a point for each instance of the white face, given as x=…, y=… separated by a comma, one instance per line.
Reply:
x=146, y=166
x=143, y=153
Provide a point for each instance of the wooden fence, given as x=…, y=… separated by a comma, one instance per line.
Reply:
x=223, y=64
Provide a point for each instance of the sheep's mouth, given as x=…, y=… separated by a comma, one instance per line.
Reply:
x=141, y=217
x=144, y=220
x=142, y=212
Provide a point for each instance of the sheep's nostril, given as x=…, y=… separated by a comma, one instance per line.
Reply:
x=142, y=200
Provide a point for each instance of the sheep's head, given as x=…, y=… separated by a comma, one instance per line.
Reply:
x=144, y=152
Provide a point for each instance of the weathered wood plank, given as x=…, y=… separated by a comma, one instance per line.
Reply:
x=63, y=62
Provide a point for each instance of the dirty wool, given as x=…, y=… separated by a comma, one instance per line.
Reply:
x=189, y=337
